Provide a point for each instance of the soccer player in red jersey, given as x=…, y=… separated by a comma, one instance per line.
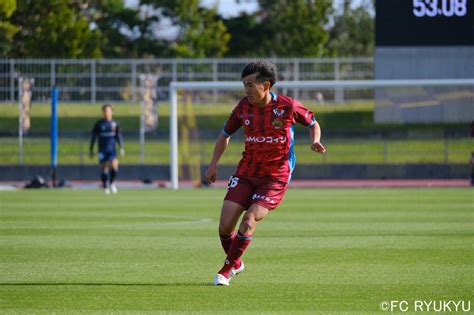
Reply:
x=265, y=169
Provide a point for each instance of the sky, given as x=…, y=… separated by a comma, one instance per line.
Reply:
x=230, y=8
x=226, y=8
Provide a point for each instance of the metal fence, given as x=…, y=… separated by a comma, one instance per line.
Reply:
x=118, y=80
x=74, y=151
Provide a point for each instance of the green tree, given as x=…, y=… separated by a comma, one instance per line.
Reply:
x=126, y=32
x=53, y=28
x=201, y=33
x=7, y=29
x=295, y=28
x=353, y=31
x=246, y=35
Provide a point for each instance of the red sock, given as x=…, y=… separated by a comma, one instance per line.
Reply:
x=226, y=242
x=239, y=244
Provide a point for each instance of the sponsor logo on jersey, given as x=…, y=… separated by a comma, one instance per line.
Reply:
x=262, y=139
x=246, y=115
x=107, y=134
x=261, y=197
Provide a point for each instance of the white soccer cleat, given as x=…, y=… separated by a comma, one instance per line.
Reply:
x=233, y=272
x=107, y=191
x=220, y=280
x=113, y=189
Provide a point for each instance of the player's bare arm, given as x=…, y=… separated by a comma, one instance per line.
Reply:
x=315, y=136
x=92, y=142
x=119, y=139
x=221, y=144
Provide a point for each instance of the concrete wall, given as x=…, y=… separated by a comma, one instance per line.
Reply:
x=424, y=104
x=330, y=171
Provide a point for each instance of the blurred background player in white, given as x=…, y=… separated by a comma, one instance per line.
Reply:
x=109, y=133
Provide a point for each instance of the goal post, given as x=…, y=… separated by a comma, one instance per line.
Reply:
x=393, y=96
x=174, y=87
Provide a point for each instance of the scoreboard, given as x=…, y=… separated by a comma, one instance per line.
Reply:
x=424, y=23
x=424, y=39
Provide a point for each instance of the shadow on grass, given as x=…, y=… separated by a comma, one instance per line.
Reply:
x=92, y=284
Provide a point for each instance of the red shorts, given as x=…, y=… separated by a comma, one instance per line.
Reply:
x=247, y=191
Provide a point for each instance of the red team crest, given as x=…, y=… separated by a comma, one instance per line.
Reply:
x=277, y=123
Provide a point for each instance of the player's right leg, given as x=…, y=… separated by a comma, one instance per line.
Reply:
x=238, y=197
x=230, y=214
x=104, y=174
x=254, y=214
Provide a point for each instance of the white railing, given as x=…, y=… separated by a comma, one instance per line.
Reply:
x=88, y=80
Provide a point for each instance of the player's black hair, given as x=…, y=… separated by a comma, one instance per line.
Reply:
x=266, y=71
x=105, y=106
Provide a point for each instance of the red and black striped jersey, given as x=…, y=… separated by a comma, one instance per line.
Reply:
x=269, y=135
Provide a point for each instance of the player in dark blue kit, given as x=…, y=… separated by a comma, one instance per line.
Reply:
x=108, y=132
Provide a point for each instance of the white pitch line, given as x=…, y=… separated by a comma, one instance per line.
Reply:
x=148, y=224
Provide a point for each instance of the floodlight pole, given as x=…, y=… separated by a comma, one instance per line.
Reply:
x=174, y=136
x=20, y=121
x=54, y=133
x=142, y=119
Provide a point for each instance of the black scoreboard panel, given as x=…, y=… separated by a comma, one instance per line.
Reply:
x=424, y=23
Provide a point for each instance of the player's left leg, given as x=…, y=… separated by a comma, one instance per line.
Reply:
x=113, y=173
x=253, y=215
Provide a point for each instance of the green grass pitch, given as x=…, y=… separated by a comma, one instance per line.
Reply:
x=323, y=251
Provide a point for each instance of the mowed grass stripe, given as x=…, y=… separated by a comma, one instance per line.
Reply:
x=324, y=250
